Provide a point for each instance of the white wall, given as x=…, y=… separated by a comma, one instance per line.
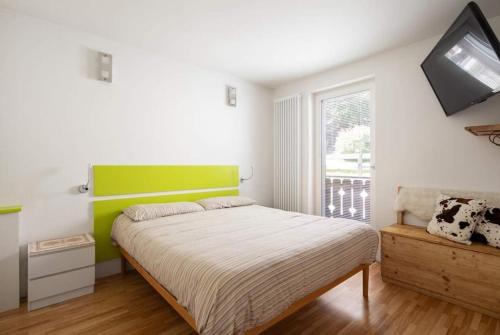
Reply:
x=55, y=119
x=416, y=144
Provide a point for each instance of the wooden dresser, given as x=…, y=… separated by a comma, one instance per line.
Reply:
x=467, y=275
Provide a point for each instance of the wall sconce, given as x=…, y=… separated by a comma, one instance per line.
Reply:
x=231, y=96
x=105, y=67
x=84, y=188
x=244, y=179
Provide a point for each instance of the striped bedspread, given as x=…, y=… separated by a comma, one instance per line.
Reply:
x=234, y=269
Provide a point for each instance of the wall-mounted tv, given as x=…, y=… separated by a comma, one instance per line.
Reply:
x=464, y=67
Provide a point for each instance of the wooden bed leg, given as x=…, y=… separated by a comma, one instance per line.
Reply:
x=366, y=277
x=123, y=264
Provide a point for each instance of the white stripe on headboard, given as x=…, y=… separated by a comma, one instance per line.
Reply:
x=287, y=153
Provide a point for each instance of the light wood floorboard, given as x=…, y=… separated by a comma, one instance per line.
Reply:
x=128, y=305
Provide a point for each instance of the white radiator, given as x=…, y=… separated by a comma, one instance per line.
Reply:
x=287, y=153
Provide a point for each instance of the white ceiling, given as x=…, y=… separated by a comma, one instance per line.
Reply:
x=268, y=42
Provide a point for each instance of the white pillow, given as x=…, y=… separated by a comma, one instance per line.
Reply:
x=488, y=229
x=225, y=202
x=153, y=211
x=456, y=218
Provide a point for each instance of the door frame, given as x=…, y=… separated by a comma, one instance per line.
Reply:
x=319, y=139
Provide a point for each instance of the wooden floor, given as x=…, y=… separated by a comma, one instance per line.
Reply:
x=128, y=305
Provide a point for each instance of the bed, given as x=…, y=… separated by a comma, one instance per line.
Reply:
x=240, y=270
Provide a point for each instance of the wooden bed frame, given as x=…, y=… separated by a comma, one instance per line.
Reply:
x=126, y=257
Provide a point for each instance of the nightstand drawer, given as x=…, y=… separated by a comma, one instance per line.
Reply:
x=53, y=263
x=59, y=283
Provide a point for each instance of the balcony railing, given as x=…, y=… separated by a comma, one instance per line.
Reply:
x=347, y=197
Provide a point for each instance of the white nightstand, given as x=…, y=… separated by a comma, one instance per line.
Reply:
x=60, y=269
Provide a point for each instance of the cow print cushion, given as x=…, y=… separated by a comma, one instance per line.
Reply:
x=456, y=218
x=488, y=229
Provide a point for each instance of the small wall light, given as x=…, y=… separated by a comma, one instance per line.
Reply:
x=244, y=179
x=105, y=64
x=84, y=188
x=231, y=96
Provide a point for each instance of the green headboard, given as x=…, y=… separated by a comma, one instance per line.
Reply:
x=134, y=179
x=117, y=180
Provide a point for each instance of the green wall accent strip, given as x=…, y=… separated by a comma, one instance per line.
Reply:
x=134, y=179
x=105, y=212
x=10, y=209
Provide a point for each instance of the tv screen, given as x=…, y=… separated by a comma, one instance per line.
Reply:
x=464, y=67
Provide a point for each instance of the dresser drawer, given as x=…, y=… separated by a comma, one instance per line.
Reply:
x=53, y=263
x=60, y=283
